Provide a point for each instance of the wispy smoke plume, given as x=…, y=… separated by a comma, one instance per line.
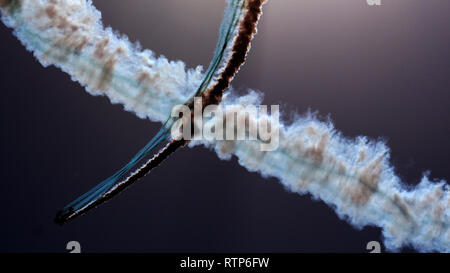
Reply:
x=351, y=175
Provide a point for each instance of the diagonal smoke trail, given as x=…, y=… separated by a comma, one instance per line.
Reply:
x=71, y=36
x=352, y=176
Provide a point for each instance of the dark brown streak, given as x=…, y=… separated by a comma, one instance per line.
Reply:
x=154, y=162
x=247, y=29
x=10, y=6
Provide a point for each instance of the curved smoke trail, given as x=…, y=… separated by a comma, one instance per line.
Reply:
x=39, y=24
x=353, y=176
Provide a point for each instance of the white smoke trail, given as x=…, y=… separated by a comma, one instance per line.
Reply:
x=353, y=176
x=70, y=35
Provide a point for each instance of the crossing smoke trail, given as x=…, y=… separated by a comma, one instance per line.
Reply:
x=352, y=176
x=237, y=53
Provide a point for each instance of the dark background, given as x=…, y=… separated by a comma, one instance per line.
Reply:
x=377, y=71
